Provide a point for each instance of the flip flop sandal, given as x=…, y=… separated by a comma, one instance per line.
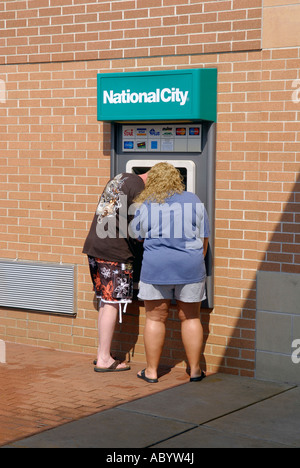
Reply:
x=112, y=368
x=95, y=361
x=198, y=379
x=143, y=377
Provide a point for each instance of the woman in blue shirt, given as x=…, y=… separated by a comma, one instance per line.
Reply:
x=174, y=226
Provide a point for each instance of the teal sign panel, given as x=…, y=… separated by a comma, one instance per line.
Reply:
x=157, y=96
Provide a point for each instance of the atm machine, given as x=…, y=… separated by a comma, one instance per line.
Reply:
x=165, y=116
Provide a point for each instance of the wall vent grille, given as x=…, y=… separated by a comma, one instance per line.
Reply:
x=41, y=287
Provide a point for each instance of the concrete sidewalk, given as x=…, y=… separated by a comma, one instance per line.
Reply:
x=221, y=411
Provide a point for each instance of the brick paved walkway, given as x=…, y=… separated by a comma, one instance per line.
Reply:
x=43, y=388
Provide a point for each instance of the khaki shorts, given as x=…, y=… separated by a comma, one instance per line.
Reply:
x=194, y=292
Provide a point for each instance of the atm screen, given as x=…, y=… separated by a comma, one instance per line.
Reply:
x=186, y=168
x=142, y=169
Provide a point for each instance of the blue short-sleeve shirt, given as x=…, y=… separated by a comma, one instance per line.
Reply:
x=173, y=234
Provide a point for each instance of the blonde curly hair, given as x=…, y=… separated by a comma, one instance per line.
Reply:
x=163, y=181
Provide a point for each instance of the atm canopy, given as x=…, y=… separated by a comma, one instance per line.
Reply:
x=158, y=96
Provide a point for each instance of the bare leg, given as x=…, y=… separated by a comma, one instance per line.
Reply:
x=192, y=334
x=154, y=334
x=108, y=314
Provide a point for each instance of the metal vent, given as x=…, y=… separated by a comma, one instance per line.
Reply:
x=38, y=286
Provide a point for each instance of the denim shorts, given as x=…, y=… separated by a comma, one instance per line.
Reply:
x=194, y=292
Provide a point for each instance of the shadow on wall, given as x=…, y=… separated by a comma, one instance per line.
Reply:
x=255, y=347
x=282, y=256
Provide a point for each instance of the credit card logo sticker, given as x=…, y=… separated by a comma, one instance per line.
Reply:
x=167, y=131
x=154, y=132
x=128, y=132
x=128, y=144
x=141, y=132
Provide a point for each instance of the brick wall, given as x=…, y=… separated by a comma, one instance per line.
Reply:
x=55, y=156
x=38, y=31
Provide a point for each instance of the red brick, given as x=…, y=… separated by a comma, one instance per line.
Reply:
x=55, y=157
